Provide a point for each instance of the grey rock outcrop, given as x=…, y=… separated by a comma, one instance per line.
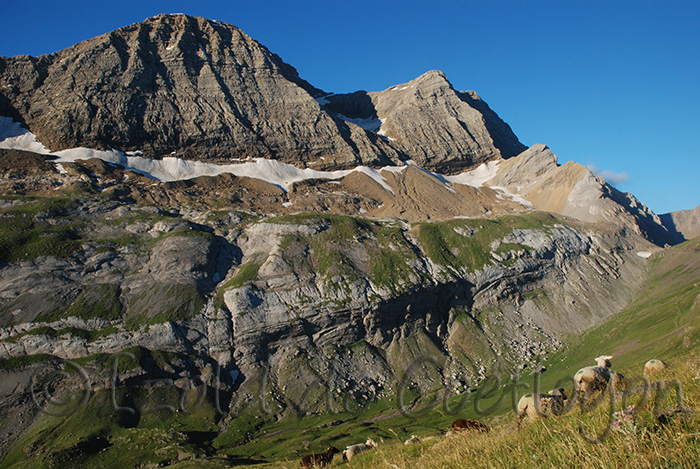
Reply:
x=540, y=287
x=175, y=83
x=430, y=122
x=205, y=90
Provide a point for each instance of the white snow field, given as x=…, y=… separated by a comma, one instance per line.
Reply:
x=170, y=168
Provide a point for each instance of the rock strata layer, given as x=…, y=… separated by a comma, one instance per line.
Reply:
x=205, y=90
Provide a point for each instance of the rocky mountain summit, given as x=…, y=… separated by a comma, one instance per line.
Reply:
x=433, y=124
x=206, y=90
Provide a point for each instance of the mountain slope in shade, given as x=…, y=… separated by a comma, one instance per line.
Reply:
x=685, y=222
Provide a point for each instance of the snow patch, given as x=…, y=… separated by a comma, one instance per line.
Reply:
x=476, y=177
x=171, y=168
x=644, y=254
x=322, y=100
x=382, y=133
x=14, y=137
x=502, y=191
x=370, y=123
x=283, y=175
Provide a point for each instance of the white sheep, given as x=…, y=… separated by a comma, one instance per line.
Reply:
x=548, y=403
x=654, y=365
x=593, y=378
x=415, y=439
x=618, y=381
x=351, y=451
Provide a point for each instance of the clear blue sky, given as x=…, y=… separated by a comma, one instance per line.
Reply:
x=614, y=84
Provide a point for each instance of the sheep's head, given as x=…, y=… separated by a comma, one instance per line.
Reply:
x=604, y=360
x=371, y=442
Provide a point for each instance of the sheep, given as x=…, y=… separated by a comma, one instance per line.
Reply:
x=413, y=440
x=593, y=378
x=319, y=459
x=552, y=402
x=463, y=425
x=618, y=381
x=350, y=451
x=654, y=365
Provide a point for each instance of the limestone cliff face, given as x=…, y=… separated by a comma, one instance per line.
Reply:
x=181, y=84
x=574, y=191
x=350, y=321
x=206, y=90
x=438, y=127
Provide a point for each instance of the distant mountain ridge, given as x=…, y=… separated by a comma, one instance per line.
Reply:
x=684, y=222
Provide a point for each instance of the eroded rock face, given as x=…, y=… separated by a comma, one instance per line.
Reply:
x=206, y=90
x=430, y=122
x=300, y=328
x=181, y=84
x=574, y=191
x=339, y=300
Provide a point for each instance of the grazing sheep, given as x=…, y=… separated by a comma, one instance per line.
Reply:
x=678, y=413
x=654, y=365
x=319, y=459
x=414, y=440
x=593, y=378
x=618, y=381
x=552, y=402
x=461, y=425
x=352, y=450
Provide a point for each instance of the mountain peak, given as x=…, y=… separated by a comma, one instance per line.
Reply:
x=206, y=90
x=432, y=76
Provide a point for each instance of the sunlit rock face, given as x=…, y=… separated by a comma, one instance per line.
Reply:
x=181, y=84
x=206, y=90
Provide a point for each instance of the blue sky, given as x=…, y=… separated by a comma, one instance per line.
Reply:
x=614, y=85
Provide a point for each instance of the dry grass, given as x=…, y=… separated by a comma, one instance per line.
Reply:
x=557, y=442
